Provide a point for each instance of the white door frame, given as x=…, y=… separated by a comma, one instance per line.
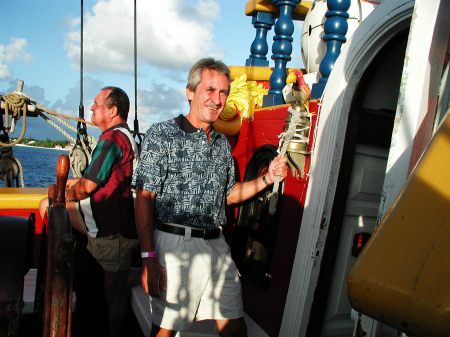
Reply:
x=379, y=27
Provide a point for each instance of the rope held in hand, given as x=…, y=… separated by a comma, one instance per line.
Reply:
x=286, y=139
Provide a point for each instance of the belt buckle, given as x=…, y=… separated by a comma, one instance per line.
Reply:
x=208, y=232
x=204, y=234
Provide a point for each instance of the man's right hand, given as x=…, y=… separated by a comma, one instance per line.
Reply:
x=153, y=277
x=70, y=182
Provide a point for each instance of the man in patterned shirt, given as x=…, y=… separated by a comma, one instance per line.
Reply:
x=183, y=180
x=101, y=203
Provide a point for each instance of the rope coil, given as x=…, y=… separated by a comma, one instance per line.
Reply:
x=15, y=102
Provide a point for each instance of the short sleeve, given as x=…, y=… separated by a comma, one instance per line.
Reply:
x=104, y=157
x=231, y=179
x=151, y=170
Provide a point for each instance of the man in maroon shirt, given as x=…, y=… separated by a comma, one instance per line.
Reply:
x=101, y=203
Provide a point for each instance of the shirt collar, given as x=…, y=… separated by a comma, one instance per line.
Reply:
x=120, y=125
x=187, y=127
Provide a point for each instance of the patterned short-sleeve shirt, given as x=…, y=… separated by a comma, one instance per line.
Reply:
x=190, y=177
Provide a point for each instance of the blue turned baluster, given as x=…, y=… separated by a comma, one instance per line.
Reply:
x=281, y=49
x=335, y=28
x=263, y=22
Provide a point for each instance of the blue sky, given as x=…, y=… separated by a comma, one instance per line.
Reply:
x=40, y=44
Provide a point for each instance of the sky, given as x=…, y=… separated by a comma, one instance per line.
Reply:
x=40, y=45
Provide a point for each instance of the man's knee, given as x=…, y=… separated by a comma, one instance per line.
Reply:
x=232, y=327
x=43, y=205
x=160, y=332
x=76, y=221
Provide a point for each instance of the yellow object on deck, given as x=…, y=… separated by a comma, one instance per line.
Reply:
x=21, y=198
x=253, y=6
x=402, y=276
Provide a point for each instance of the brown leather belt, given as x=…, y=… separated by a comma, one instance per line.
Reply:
x=206, y=234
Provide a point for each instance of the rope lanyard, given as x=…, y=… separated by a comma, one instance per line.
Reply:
x=286, y=139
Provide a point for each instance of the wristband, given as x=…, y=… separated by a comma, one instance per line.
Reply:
x=148, y=254
x=265, y=180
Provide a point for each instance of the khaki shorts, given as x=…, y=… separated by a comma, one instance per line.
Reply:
x=113, y=252
x=202, y=282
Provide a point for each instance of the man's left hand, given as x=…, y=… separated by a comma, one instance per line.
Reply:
x=278, y=168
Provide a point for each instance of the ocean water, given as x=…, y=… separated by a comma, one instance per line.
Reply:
x=38, y=165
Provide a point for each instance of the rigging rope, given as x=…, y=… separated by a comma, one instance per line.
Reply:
x=22, y=181
x=135, y=66
x=81, y=56
x=17, y=103
x=136, y=122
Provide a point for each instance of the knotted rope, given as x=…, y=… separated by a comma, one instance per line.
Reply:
x=286, y=139
x=16, y=105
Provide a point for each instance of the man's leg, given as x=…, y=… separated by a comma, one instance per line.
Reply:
x=116, y=287
x=76, y=221
x=161, y=332
x=232, y=327
x=43, y=205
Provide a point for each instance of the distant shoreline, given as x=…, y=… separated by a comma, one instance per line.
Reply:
x=42, y=147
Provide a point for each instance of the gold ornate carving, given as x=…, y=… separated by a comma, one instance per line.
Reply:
x=243, y=95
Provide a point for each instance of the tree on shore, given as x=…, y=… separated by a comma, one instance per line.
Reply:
x=44, y=143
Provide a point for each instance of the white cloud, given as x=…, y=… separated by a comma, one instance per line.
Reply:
x=70, y=105
x=35, y=92
x=159, y=103
x=171, y=34
x=69, y=22
x=5, y=73
x=17, y=49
